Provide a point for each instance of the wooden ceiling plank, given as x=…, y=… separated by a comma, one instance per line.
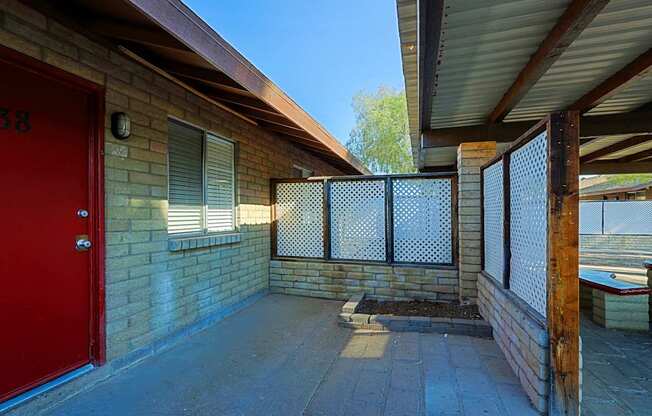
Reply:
x=616, y=83
x=578, y=15
x=616, y=147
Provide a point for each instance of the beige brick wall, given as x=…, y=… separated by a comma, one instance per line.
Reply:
x=523, y=340
x=332, y=280
x=151, y=292
x=470, y=157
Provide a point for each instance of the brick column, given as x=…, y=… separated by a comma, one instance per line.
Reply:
x=470, y=156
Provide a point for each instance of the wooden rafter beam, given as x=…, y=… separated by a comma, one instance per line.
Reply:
x=644, y=108
x=265, y=116
x=615, y=167
x=634, y=123
x=197, y=73
x=431, y=14
x=636, y=157
x=633, y=71
x=242, y=101
x=123, y=31
x=570, y=25
x=616, y=147
x=288, y=131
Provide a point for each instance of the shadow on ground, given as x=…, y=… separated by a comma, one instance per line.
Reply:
x=286, y=356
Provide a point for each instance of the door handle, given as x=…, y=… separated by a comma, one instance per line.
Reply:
x=83, y=244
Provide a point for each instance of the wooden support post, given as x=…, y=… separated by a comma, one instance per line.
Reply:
x=563, y=257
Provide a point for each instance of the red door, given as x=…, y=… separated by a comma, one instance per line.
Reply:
x=45, y=282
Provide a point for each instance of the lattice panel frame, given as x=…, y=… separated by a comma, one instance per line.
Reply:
x=357, y=212
x=493, y=223
x=528, y=176
x=422, y=226
x=300, y=219
x=590, y=217
x=628, y=217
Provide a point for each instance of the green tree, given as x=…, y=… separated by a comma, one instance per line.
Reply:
x=381, y=136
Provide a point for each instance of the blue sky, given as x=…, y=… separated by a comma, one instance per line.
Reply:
x=320, y=52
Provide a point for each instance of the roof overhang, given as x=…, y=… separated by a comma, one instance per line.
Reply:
x=169, y=38
x=490, y=70
x=614, y=190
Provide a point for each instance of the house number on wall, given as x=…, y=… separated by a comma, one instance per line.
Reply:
x=18, y=120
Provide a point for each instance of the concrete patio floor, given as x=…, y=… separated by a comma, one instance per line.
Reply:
x=617, y=371
x=286, y=356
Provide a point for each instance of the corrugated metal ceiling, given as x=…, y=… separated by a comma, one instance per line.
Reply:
x=617, y=36
x=484, y=46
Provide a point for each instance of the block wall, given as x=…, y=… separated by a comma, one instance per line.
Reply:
x=523, y=340
x=341, y=280
x=152, y=292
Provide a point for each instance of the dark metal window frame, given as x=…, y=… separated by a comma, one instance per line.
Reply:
x=389, y=218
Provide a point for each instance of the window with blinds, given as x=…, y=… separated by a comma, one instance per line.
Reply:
x=201, y=181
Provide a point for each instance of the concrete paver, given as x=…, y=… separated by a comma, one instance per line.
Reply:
x=286, y=356
x=617, y=371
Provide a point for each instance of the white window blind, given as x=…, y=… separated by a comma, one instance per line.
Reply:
x=219, y=184
x=201, y=181
x=186, y=198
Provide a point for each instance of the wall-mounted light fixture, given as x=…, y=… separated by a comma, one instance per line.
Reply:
x=120, y=126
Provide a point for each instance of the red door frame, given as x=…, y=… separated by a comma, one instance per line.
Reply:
x=96, y=187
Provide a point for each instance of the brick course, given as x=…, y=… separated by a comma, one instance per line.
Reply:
x=341, y=280
x=152, y=292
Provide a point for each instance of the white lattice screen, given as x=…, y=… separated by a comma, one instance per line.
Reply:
x=628, y=217
x=528, y=222
x=422, y=220
x=300, y=219
x=590, y=217
x=358, y=220
x=493, y=220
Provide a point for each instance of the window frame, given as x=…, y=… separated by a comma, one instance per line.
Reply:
x=204, y=229
x=303, y=170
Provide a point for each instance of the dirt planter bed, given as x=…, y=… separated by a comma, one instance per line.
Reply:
x=359, y=313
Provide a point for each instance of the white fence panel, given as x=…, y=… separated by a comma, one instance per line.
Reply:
x=358, y=220
x=300, y=219
x=590, y=217
x=628, y=217
x=493, y=220
x=528, y=222
x=422, y=220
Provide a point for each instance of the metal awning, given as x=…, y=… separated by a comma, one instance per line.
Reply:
x=488, y=70
x=171, y=39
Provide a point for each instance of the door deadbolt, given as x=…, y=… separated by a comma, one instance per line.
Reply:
x=82, y=213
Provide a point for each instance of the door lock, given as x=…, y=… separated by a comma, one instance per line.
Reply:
x=83, y=243
x=82, y=213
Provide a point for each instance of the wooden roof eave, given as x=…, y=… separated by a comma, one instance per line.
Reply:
x=179, y=21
